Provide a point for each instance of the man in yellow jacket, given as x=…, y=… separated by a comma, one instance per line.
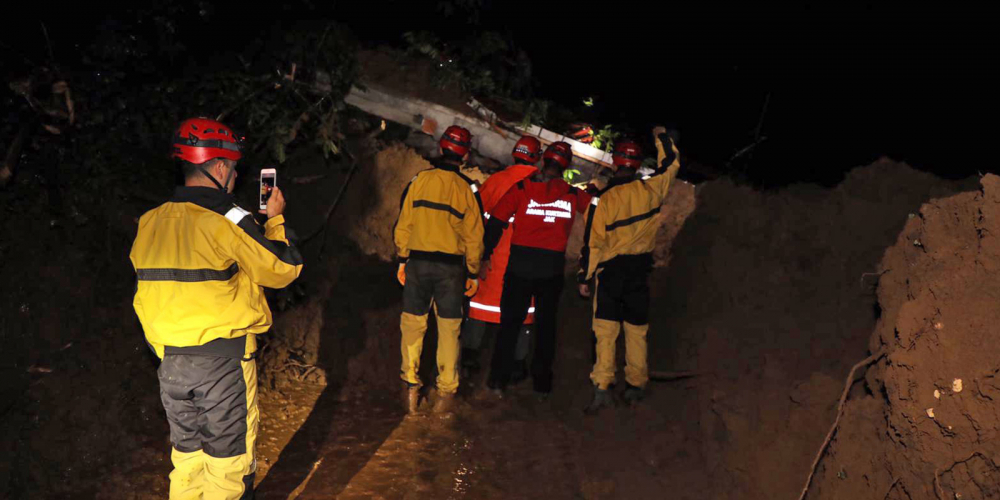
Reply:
x=617, y=254
x=201, y=262
x=439, y=241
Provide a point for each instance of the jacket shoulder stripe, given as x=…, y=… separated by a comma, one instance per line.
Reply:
x=187, y=275
x=236, y=214
x=632, y=220
x=438, y=206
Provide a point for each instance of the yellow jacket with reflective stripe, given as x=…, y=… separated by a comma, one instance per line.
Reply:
x=441, y=218
x=200, y=263
x=623, y=220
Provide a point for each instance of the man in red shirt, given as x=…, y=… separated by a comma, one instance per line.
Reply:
x=485, y=305
x=543, y=210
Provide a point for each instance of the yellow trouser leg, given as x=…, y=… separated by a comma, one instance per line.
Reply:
x=413, y=328
x=227, y=478
x=636, y=370
x=447, y=354
x=188, y=477
x=604, y=369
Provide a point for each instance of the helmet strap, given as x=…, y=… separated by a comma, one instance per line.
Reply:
x=205, y=172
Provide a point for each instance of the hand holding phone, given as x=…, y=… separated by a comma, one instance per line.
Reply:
x=268, y=182
x=275, y=205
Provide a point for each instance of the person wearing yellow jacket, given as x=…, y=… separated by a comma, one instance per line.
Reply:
x=617, y=254
x=439, y=241
x=201, y=262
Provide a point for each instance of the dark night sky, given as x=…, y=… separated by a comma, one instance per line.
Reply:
x=845, y=86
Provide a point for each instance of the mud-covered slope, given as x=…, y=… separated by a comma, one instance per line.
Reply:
x=768, y=295
x=928, y=427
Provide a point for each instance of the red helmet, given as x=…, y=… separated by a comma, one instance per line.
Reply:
x=560, y=152
x=456, y=139
x=198, y=140
x=628, y=154
x=528, y=148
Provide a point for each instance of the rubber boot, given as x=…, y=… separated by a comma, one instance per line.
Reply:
x=602, y=399
x=445, y=401
x=632, y=394
x=411, y=397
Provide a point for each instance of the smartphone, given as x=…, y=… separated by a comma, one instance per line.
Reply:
x=268, y=180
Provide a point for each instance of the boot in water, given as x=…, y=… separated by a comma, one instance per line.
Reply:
x=445, y=402
x=411, y=397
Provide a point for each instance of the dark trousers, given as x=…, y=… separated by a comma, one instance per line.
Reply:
x=514, y=303
x=211, y=406
x=440, y=282
x=623, y=290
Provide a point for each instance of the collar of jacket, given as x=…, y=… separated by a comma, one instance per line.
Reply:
x=443, y=165
x=205, y=197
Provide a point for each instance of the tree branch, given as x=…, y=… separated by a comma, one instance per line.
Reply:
x=840, y=412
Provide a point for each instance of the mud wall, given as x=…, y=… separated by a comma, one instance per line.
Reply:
x=927, y=426
x=767, y=295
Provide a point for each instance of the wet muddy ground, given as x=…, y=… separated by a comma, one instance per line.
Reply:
x=512, y=448
x=321, y=442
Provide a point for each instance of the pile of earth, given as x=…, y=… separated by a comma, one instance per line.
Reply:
x=769, y=296
x=925, y=422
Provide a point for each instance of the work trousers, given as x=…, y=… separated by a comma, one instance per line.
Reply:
x=517, y=294
x=443, y=285
x=211, y=406
x=621, y=295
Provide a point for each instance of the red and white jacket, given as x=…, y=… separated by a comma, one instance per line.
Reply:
x=485, y=305
x=543, y=215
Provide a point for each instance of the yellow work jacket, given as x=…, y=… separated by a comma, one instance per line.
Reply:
x=622, y=220
x=441, y=218
x=200, y=263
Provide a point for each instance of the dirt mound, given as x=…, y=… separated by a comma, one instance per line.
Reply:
x=928, y=428
x=767, y=296
x=373, y=205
